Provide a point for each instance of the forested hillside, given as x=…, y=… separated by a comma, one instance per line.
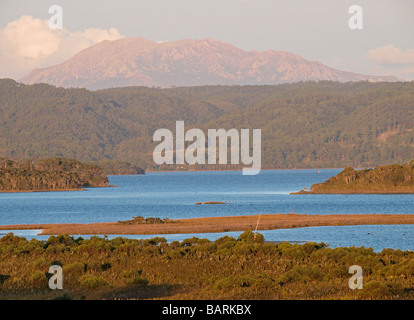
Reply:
x=304, y=125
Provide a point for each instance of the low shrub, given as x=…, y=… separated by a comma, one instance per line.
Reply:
x=92, y=282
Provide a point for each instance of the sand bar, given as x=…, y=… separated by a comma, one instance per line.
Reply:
x=219, y=224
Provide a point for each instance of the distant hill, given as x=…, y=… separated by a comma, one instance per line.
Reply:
x=304, y=125
x=383, y=179
x=141, y=62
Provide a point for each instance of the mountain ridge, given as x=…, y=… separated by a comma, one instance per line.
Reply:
x=141, y=62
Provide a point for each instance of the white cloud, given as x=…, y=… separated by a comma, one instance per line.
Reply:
x=28, y=43
x=390, y=60
x=391, y=55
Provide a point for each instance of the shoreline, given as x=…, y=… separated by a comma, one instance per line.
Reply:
x=56, y=190
x=46, y=190
x=352, y=192
x=217, y=224
x=208, y=170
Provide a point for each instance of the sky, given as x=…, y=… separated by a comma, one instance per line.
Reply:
x=317, y=30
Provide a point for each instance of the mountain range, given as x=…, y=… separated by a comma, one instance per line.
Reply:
x=140, y=62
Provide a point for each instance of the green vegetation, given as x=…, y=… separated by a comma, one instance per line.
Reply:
x=304, y=125
x=383, y=179
x=228, y=268
x=49, y=175
x=142, y=220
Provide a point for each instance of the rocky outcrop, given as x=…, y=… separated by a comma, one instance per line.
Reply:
x=383, y=179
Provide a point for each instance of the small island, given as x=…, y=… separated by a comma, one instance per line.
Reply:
x=388, y=179
x=56, y=174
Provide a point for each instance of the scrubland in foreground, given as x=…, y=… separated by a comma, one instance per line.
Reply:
x=228, y=268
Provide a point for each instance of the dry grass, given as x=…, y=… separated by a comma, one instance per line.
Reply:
x=220, y=224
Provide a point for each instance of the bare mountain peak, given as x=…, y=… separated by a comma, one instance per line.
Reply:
x=141, y=62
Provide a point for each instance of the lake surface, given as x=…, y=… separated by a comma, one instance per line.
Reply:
x=174, y=194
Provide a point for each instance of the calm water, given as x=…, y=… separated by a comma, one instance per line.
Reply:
x=173, y=194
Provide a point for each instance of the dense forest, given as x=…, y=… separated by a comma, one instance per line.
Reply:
x=304, y=125
x=393, y=178
x=228, y=268
x=49, y=175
